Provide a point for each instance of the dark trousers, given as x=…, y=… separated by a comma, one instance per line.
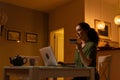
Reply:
x=87, y=78
x=80, y=78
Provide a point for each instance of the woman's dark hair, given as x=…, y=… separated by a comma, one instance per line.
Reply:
x=92, y=34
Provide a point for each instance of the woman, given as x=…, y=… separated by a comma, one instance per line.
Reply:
x=86, y=48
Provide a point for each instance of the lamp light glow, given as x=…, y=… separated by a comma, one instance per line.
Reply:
x=18, y=41
x=117, y=20
x=3, y=18
x=101, y=25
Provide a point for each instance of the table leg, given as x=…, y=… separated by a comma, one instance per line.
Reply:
x=92, y=74
x=6, y=77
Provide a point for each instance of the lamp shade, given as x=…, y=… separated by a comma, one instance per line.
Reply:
x=117, y=20
x=101, y=25
x=3, y=18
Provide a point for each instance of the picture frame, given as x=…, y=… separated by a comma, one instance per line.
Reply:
x=1, y=29
x=106, y=33
x=13, y=35
x=31, y=37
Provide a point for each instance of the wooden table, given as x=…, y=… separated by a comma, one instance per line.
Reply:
x=37, y=72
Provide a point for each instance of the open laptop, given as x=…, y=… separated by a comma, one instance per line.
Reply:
x=48, y=56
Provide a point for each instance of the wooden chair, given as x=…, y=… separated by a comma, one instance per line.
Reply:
x=104, y=64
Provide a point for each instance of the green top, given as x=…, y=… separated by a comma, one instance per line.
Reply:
x=90, y=50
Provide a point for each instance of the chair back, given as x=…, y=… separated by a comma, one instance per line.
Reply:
x=104, y=64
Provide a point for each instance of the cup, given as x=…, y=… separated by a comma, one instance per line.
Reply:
x=32, y=61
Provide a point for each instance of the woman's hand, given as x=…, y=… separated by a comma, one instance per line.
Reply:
x=78, y=46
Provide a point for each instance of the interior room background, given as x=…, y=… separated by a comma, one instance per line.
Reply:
x=67, y=16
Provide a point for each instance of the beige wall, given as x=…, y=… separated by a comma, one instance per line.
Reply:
x=67, y=17
x=98, y=9
x=22, y=20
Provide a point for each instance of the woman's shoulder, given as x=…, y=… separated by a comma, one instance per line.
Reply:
x=90, y=43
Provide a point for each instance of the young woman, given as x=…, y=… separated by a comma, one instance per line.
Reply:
x=86, y=48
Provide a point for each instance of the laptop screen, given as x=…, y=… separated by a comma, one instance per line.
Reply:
x=48, y=56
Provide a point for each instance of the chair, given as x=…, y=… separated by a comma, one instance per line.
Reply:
x=104, y=64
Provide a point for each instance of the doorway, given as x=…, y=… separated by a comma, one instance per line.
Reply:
x=57, y=44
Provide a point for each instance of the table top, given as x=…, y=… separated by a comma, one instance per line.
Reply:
x=44, y=67
x=49, y=71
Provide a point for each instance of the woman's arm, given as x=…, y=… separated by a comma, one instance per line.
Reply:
x=85, y=60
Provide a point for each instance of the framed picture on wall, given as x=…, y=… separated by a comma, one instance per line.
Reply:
x=1, y=29
x=31, y=37
x=103, y=33
x=13, y=35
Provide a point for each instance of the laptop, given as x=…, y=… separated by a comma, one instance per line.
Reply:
x=48, y=56
x=49, y=59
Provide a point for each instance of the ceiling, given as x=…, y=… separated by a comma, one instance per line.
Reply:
x=41, y=5
x=47, y=5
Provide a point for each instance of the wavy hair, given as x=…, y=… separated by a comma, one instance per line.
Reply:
x=91, y=33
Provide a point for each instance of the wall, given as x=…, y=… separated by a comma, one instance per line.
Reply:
x=98, y=9
x=67, y=17
x=22, y=20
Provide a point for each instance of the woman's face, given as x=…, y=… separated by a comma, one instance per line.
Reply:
x=81, y=34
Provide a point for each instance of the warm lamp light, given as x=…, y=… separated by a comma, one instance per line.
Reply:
x=3, y=18
x=101, y=25
x=18, y=41
x=117, y=20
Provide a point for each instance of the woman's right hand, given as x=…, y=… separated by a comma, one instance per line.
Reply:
x=78, y=46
